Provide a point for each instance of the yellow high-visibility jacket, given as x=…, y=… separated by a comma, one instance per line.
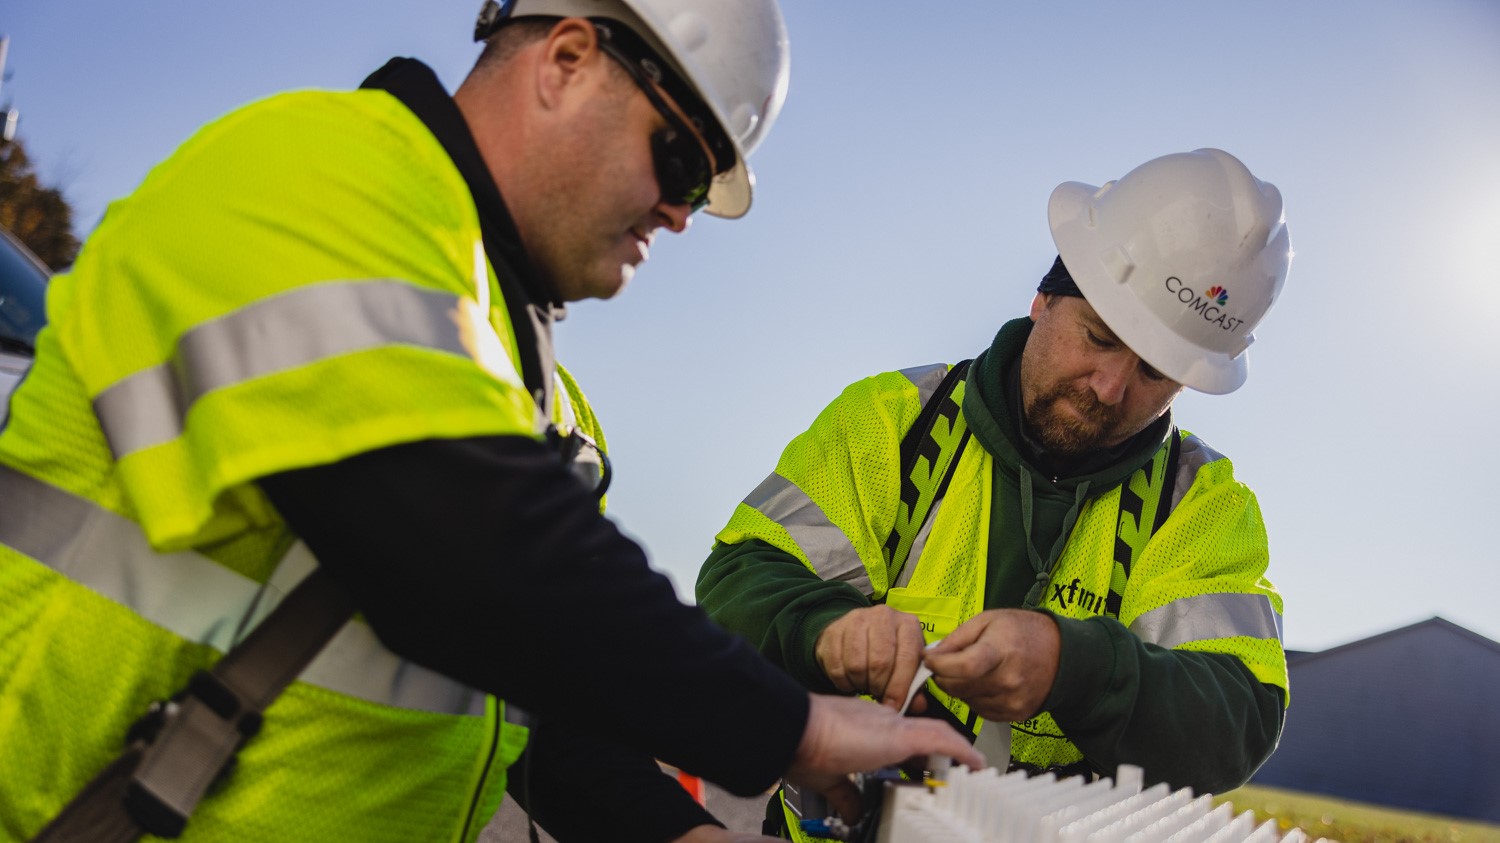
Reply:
x=1142, y=571
x=265, y=301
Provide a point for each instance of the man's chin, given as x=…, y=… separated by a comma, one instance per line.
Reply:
x=1068, y=435
x=602, y=289
x=627, y=272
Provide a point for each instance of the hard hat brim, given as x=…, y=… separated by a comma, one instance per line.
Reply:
x=729, y=195
x=1100, y=270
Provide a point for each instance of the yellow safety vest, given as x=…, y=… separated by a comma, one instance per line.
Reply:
x=1197, y=583
x=301, y=282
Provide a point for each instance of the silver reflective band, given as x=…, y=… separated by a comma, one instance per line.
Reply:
x=1208, y=616
x=109, y=555
x=282, y=332
x=926, y=379
x=1194, y=455
x=826, y=546
x=517, y=716
x=566, y=418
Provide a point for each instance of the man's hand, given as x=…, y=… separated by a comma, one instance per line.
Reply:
x=846, y=735
x=1001, y=662
x=718, y=834
x=875, y=651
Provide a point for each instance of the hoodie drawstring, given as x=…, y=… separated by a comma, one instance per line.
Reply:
x=1043, y=567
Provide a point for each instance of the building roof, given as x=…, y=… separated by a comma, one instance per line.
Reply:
x=1434, y=623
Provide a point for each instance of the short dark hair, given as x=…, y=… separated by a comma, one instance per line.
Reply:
x=1058, y=282
x=512, y=37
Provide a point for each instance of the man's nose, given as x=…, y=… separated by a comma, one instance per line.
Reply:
x=675, y=217
x=1112, y=377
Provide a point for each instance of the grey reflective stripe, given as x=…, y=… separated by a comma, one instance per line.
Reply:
x=926, y=379
x=826, y=546
x=915, y=554
x=1209, y=616
x=89, y=545
x=281, y=332
x=1193, y=455
x=517, y=716
x=108, y=554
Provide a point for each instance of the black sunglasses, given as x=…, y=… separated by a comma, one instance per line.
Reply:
x=683, y=170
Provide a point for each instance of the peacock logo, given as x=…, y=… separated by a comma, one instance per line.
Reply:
x=1209, y=305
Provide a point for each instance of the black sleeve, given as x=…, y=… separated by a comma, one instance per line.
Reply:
x=581, y=789
x=485, y=560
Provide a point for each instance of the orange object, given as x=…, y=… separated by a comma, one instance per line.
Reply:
x=694, y=785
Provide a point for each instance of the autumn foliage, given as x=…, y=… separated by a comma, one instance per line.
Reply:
x=34, y=212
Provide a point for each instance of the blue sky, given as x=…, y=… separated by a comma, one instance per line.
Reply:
x=900, y=219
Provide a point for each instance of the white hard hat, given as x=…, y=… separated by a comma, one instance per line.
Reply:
x=1181, y=258
x=734, y=53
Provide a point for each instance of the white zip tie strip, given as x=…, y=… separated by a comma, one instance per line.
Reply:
x=987, y=807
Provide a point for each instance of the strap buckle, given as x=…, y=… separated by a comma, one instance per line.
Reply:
x=189, y=747
x=583, y=458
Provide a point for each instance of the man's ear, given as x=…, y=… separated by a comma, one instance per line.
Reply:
x=571, y=49
x=1038, y=304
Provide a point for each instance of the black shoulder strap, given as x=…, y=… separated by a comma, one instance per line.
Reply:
x=1141, y=515
x=929, y=456
x=183, y=746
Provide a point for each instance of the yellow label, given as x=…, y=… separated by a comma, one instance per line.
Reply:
x=939, y=615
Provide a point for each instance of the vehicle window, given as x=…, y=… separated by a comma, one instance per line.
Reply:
x=23, y=292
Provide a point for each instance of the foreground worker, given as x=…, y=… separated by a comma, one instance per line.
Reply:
x=1095, y=573
x=320, y=321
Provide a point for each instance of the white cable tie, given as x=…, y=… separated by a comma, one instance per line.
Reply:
x=923, y=674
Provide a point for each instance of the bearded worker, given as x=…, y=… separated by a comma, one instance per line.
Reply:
x=1093, y=573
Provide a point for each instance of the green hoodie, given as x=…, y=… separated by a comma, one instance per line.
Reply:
x=1117, y=699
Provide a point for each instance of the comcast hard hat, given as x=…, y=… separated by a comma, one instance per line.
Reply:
x=1181, y=257
x=733, y=53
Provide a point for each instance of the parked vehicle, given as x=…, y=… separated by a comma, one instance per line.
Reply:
x=23, y=292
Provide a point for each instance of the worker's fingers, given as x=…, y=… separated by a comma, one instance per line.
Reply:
x=906, y=659
x=1007, y=672
x=857, y=651
x=829, y=651
x=845, y=735
x=873, y=656
x=838, y=651
x=971, y=662
x=962, y=636
x=942, y=740
x=971, y=651
x=882, y=640
x=864, y=649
